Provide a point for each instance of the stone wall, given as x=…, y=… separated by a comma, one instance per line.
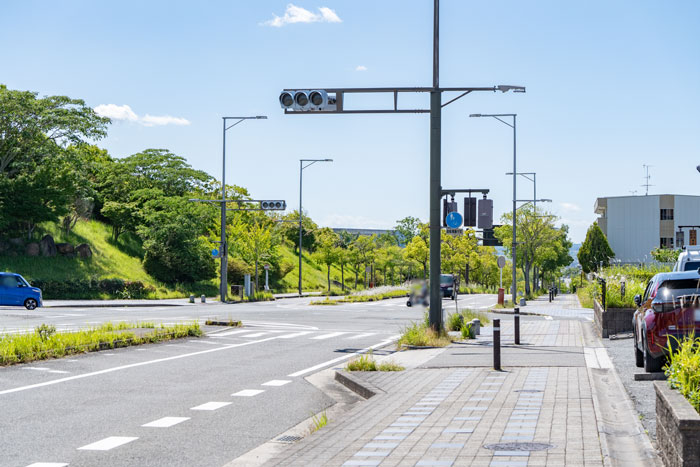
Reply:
x=613, y=320
x=677, y=428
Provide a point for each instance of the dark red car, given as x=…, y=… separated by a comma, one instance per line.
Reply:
x=669, y=307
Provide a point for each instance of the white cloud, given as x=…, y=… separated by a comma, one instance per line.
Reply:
x=296, y=14
x=116, y=112
x=570, y=207
x=361, y=68
x=124, y=112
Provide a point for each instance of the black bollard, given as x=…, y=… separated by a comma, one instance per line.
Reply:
x=497, y=344
x=516, y=325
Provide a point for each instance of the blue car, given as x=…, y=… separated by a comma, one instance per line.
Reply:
x=16, y=291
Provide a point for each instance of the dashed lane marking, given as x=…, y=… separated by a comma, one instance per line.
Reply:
x=211, y=406
x=328, y=336
x=276, y=382
x=359, y=336
x=165, y=422
x=248, y=393
x=48, y=464
x=108, y=443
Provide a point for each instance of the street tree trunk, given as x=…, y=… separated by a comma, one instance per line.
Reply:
x=342, y=277
x=328, y=276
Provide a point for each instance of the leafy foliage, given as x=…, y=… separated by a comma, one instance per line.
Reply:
x=595, y=250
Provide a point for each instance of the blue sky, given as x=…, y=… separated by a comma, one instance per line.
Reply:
x=610, y=86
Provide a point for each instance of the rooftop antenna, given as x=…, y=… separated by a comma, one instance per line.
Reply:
x=647, y=177
x=634, y=192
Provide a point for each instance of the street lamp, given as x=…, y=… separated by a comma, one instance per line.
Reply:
x=301, y=171
x=224, y=245
x=499, y=117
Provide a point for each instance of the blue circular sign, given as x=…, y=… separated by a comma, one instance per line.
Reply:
x=454, y=220
x=215, y=252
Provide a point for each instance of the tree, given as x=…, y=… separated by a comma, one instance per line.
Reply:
x=406, y=229
x=665, y=255
x=366, y=246
x=326, y=250
x=418, y=251
x=595, y=250
x=290, y=231
x=254, y=243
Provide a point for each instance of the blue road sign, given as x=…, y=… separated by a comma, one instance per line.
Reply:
x=454, y=220
x=215, y=252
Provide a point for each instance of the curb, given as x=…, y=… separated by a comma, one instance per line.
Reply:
x=115, y=305
x=505, y=311
x=356, y=385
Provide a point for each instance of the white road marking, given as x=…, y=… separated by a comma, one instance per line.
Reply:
x=211, y=406
x=108, y=443
x=257, y=334
x=340, y=359
x=36, y=368
x=205, y=342
x=248, y=393
x=230, y=333
x=165, y=422
x=296, y=334
x=48, y=464
x=132, y=365
x=603, y=358
x=359, y=336
x=276, y=382
x=328, y=336
x=548, y=318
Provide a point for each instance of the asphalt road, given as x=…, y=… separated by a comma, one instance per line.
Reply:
x=193, y=402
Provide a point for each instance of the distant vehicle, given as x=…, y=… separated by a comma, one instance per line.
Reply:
x=688, y=259
x=16, y=291
x=669, y=310
x=449, y=285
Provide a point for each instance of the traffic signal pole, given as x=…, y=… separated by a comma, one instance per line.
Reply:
x=435, y=314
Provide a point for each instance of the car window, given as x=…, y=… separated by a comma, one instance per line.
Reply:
x=445, y=279
x=691, y=266
x=8, y=281
x=646, y=291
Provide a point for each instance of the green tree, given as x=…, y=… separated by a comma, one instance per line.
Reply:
x=254, y=244
x=595, y=250
x=406, y=229
x=665, y=255
x=326, y=250
x=289, y=230
x=366, y=246
x=417, y=250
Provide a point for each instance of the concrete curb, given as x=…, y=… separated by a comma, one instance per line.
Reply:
x=356, y=385
x=506, y=311
x=117, y=305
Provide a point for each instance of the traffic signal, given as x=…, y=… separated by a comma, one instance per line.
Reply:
x=447, y=207
x=470, y=212
x=485, y=220
x=490, y=239
x=304, y=100
x=273, y=205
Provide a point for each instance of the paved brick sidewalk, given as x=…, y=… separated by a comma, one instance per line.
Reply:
x=456, y=411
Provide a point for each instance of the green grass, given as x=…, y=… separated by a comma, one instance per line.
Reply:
x=231, y=322
x=364, y=297
x=318, y=422
x=419, y=335
x=366, y=362
x=454, y=323
x=683, y=370
x=45, y=342
x=327, y=301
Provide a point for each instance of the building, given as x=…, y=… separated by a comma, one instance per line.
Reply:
x=356, y=231
x=635, y=225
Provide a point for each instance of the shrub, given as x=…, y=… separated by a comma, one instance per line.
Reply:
x=683, y=369
x=454, y=322
x=467, y=331
x=419, y=335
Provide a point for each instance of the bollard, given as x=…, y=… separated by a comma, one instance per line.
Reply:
x=497, y=344
x=516, y=324
x=204, y=298
x=476, y=326
x=191, y=298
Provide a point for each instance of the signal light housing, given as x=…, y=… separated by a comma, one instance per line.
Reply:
x=307, y=99
x=273, y=205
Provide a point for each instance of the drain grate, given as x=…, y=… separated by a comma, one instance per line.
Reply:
x=528, y=390
x=519, y=446
x=288, y=439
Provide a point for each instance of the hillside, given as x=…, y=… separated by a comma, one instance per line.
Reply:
x=123, y=261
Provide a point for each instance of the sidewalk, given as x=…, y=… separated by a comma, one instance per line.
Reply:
x=557, y=402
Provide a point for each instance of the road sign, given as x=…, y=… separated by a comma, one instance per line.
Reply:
x=215, y=253
x=693, y=237
x=454, y=220
x=267, y=266
x=454, y=232
x=501, y=261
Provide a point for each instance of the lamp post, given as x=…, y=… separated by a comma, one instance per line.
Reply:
x=499, y=117
x=224, y=245
x=301, y=171
x=533, y=180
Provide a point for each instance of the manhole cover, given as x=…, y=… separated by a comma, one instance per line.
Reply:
x=519, y=446
x=288, y=439
x=528, y=390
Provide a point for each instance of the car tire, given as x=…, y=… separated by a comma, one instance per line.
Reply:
x=409, y=304
x=651, y=364
x=30, y=304
x=638, y=355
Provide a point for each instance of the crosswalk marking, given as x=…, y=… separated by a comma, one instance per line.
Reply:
x=230, y=333
x=359, y=336
x=328, y=336
x=298, y=334
x=108, y=443
x=276, y=382
x=257, y=334
x=48, y=464
x=165, y=422
x=248, y=393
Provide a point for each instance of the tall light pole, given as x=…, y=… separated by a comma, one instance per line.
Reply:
x=301, y=171
x=224, y=245
x=499, y=117
x=533, y=180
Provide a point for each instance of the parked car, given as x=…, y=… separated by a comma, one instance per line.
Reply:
x=16, y=291
x=668, y=311
x=449, y=285
x=688, y=259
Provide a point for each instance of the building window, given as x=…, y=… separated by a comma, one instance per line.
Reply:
x=666, y=242
x=667, y=214
x=680, y=239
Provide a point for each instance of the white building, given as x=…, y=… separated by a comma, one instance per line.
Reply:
x=635, y=225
